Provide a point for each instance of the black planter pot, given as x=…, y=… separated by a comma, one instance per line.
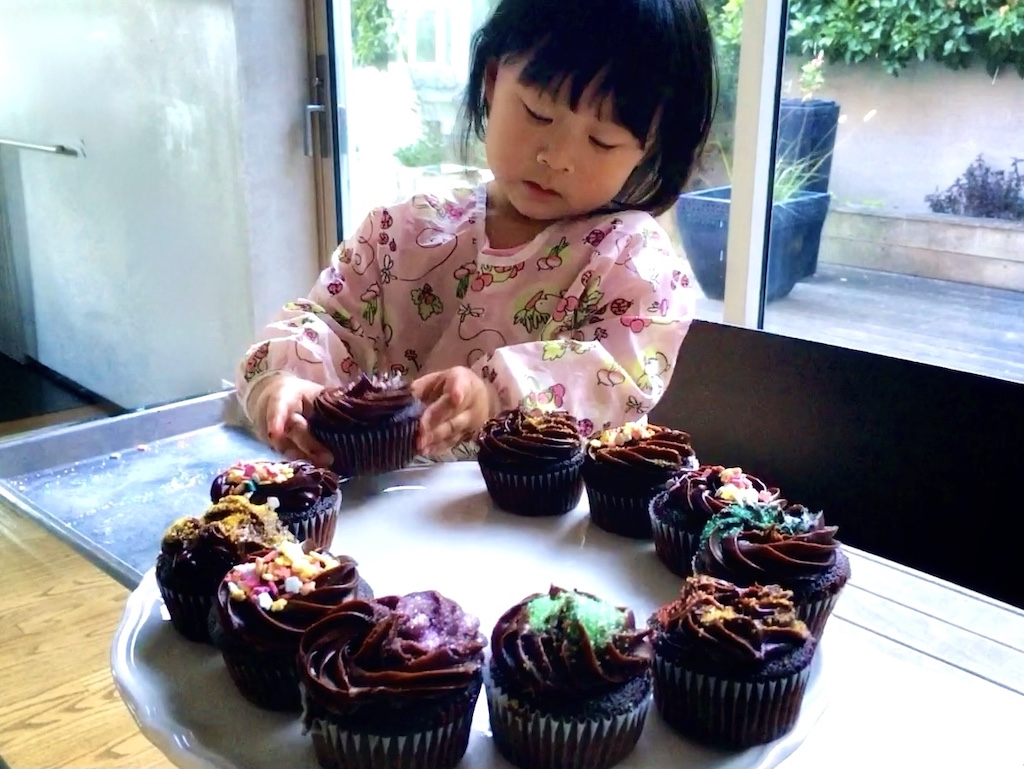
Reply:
x=807, y=134
x=703, y=219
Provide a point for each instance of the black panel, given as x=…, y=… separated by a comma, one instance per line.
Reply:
x=918, y=464
x=28, y=392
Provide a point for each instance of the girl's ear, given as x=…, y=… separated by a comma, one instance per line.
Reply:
x=490, y=78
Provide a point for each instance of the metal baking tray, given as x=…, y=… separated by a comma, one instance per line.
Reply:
x=110, y=487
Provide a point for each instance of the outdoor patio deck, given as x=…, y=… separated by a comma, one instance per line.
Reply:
x=955, y=325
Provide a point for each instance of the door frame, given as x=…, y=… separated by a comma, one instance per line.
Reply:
x=324, y=90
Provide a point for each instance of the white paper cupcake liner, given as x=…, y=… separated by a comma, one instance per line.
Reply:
x=728, y=713
x=532, y=739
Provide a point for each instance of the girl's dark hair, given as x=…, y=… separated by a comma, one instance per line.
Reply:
x=655, y=58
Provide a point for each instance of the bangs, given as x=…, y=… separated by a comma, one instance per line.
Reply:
x=608, y=47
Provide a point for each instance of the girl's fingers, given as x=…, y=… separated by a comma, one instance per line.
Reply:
x=457, y=391
x=283, y=445
x=449, y=432
x=277, y=414
x=437, y=412
x=279, y=411
x=303, y=440
x=429, y=386
x=294, y=455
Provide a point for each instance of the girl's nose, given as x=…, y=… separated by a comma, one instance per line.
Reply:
x=556, y=153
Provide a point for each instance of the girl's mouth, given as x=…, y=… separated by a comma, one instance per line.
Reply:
x=537, y=189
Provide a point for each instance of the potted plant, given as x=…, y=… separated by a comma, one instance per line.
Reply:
x=798, y=215
x=807, y=127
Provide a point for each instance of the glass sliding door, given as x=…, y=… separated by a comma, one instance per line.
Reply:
x=899, y=183
x=403, y=65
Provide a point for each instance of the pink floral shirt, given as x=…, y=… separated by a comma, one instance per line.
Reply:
x=588, y=316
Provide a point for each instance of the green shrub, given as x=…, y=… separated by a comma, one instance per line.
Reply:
x=429, y=150
x=983, y=192
x=957, y=33
x=373, y=35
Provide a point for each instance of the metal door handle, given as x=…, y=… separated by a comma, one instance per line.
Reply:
x=55, y=149
x=307, y=143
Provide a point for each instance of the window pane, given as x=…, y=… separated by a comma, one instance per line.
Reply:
x=403, y=115
x=898, y=224
x=699, y=222
x=426, y=38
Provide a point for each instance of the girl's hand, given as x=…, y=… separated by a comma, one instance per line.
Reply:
x=458, y=405
x=283, y=404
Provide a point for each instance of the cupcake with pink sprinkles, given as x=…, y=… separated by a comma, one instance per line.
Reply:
x=265, y=605
x=306, y=498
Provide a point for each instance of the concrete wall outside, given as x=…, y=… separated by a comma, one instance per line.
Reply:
x=926, y=127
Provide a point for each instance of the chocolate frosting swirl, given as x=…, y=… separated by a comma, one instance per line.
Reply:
x=416, y=646
x=196, y=553
x=657, y=454
x=246, y=622
x=365, y=402
x=516, y=437
x=563, y=657
x=768, y=543
x=716, y=620
x=306, y=486
x=706, y=491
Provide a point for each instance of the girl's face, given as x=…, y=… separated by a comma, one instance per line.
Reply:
x=550, y=162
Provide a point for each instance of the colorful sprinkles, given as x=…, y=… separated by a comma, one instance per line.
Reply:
x=738, y=488
x=244, y=477
x=619, y=436
x=283, y=572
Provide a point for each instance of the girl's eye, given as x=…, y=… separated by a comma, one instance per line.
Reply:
x=535, y=116
x=601, y=145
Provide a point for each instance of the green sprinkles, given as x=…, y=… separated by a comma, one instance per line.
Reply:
x=762, y=516
x=558, y=615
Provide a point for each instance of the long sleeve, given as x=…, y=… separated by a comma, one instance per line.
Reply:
x=608, y=344
x=334, y=333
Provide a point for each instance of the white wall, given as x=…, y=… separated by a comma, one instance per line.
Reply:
x=277, y=179
x=155, y=255
x=928, y=125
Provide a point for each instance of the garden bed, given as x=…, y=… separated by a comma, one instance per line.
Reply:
x=983, y=252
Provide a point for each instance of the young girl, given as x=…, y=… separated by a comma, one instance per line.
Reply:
x=550, y=285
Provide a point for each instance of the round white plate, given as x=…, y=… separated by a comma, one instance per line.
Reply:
x=423, y=528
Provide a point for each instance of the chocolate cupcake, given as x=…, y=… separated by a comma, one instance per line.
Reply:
x=391, y=683
x=679, y=514
x=778, y=543
x=531, y=461
x=626, y=467
x=731, y=664
x=265, y=605
x=569, y=682
x=305, y=497
x=196, y=553
x=370, y=426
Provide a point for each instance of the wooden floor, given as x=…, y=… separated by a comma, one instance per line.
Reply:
x=954, y=325
x=59, y=706
x=18, y=427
